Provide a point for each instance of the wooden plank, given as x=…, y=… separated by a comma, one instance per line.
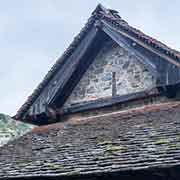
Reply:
x=67, y=87
x=100, y=103
x=144, y=45
x=82, y=67
x=173, y=75
x=118, y=38
x=71, y=64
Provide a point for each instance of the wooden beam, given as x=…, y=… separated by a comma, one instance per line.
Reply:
x=72, y=63
x=118, y=38
x=105, y=102
x=143, y=45
x=114, y=88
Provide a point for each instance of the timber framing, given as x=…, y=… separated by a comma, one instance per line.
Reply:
x=104, y=23
x=164, y=56
x=105, y=102
x=55, y=115
x=76, y=71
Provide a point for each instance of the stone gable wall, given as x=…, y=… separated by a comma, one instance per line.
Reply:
x=98, y=81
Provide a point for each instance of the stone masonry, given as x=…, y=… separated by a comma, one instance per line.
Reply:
x=98, y=81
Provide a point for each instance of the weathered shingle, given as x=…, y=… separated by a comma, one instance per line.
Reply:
x=132, y=140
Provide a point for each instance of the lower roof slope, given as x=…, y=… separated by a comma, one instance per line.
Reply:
x=136, y=140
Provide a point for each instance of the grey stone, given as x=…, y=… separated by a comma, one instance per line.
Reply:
x=131, y=76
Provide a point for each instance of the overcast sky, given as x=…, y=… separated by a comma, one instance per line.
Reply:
x=33, y=34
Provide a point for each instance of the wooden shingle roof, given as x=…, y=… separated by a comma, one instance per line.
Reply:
x=142, y=141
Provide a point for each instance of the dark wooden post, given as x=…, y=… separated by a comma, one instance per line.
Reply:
x=114, y=90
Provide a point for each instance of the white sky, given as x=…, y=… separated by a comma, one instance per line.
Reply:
x=33, y=34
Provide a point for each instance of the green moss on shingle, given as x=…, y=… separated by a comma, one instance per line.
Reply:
x=72, y=173
x=161, y=141
x=173, y=146
x=54, y=166
x=114, y=148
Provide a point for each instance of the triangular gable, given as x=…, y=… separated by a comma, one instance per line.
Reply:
x=114, y=72
x=69, y=68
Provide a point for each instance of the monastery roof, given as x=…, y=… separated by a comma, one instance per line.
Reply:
x=133, y=141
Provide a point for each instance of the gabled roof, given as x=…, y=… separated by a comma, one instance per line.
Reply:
x=141, y=142
x=111, y=18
